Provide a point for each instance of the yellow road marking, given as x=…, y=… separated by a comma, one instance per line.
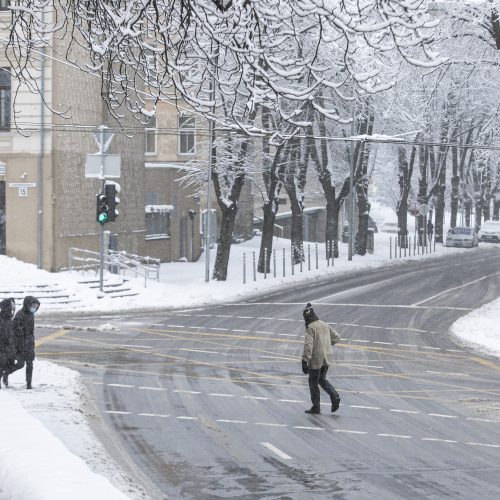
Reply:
x=52, y=336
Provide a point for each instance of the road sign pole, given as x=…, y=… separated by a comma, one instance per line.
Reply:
x=101, y=226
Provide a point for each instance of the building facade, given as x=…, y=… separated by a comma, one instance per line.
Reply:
x=47, y=205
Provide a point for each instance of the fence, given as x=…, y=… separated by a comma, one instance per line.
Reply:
x=402, y=246
x=306, y=255
x=116, y=262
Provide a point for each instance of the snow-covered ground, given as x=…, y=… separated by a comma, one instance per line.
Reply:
x=480, y=329
x=35, y=464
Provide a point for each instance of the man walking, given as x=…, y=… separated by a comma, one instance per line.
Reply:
x=315, y=360
x=24, y=337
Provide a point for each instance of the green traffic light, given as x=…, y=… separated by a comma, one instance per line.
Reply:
x=103, y=218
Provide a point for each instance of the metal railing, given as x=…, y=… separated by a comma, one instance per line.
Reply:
x=116, y=262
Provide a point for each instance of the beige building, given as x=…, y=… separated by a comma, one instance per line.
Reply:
x=47, y=205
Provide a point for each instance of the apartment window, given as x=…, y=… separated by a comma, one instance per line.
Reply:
x=4, y=4
x=151, y=137
x=187, y=135
x=4, y=99
x=157, y=217
x=151, y=66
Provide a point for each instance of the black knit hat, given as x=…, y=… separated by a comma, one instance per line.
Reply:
x=309, y=314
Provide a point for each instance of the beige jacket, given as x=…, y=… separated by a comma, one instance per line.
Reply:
x=318, y=344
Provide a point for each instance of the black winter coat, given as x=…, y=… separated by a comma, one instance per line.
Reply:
x=7, y=349
x=24, y=330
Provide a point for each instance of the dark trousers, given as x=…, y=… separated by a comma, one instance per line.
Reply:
x=29, y=368
x=317, y=379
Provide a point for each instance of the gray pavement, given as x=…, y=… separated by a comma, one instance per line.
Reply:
x=208, y=403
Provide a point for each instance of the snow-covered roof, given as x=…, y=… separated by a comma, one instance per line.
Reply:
x=151, y=209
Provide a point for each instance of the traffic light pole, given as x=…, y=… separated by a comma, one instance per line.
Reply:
x=101, y=225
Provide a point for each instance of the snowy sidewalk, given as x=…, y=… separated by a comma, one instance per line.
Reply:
x=34, y=463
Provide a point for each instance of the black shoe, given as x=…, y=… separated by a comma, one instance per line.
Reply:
x=28, y=385
x=313, y=410
x=335, y=404
x=5, y=379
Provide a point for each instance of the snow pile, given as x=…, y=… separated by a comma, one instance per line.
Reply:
x=35, y=465
x=480, y=329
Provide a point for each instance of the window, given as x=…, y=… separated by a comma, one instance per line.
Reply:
x=4, y=99
x=157, y=217
x=151, y=136
x=151, y=68
x=4, y=4
x=187, y=135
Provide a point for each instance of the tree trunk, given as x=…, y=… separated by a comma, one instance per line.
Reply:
x=363, y=213
x=455, y=184
x=270, y=208
x=422, y=192
x=439, y=214
x=295, y=176
x=478, y=205
x=224, y=242
x=297, y=235
x=468, y=212
x=266, y=242
x=332, y=223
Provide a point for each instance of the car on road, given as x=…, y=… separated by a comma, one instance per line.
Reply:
x=389, y=227
x=490, y=231
x=465, y=237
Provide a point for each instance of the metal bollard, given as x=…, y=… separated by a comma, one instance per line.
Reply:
x=265, y=263
x=254, y=269
x=317, y=255
x=406, y=243
x=301, y=257
x=308, y=257
x=244, y=268
x=399, y=245
x=390, y=247
x=395, y=247
x=284, y=273
x=292, y=260
x=327, y=243
x=274, y=262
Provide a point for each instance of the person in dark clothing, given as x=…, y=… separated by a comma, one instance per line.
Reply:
x=430, y=229
x=319, y=338
x=24, y=337
x=7, y=350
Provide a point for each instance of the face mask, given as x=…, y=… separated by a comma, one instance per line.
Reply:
x=33, y=309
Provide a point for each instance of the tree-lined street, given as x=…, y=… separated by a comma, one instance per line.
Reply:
x=209, y=403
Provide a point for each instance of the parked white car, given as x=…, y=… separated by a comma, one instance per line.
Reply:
x=389, y=227
x=462, y=237
x=490, y=231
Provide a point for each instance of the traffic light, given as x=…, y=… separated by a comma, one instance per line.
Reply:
x=111, y=190
x=102, y=209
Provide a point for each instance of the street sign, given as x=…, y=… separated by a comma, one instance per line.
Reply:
x=103, y=136
x=424, y=210
x=22, y=184
x=102, y=166
x=414, y=209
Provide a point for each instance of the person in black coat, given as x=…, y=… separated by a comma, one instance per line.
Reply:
x=24, y=337
x=7, y=350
